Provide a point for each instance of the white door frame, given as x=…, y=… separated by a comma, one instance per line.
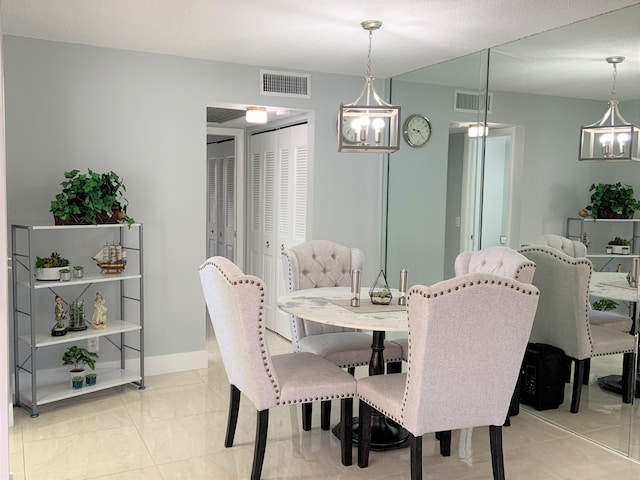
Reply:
x=239, y=199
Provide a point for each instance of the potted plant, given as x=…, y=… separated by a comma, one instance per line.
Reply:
x=91, y=379
x=78, y=357
x=78, y=271
x=65, y=274
x=605, y=304
x=48, y=268
x=612, y=200
x=619, y=245
x=90, y=198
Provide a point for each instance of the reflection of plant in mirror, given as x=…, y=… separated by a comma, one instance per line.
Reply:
x=605, y=304
x=619, y=241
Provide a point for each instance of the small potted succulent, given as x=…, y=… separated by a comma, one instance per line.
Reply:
x=619, y=246
x=78, y=271
x=48, y=268
x=65, y=274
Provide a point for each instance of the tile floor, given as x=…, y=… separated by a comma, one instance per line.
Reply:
x=175, y=430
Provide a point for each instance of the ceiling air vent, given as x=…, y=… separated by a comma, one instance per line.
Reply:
x=471, y=102
x=285, y=84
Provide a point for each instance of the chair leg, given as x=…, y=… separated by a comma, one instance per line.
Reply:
x=306, y=416
x=262, y=426
x=232, y=421
x=587, y=370
x=364, y=439
x=325, y=415
x=497, y=459
x=445, y=442
x=578, y=376
x=346, y=431
x=416, y=457
x=394, y=367
x=627, y=377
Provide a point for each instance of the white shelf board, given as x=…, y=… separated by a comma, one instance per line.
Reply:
x=87, y=279
x=113, y=327
x=75, y=227
x=60, y=390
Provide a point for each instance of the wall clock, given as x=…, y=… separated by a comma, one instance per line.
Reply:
x=349, y=134
x=417, y=130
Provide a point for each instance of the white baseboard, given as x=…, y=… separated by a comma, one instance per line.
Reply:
x=178, y=362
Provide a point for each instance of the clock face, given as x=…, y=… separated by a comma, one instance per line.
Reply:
x=349, y=134
x=417, y=130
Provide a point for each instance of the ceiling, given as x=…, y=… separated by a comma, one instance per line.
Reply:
x=326, y=36
x=299, y=35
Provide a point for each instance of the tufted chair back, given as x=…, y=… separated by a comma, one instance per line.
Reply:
x=502, y=261
x=316, y=264
x=573, y=248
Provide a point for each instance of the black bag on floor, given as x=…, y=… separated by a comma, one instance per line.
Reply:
x=543, y=375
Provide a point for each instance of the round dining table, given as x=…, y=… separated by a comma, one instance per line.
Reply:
x=332, y=306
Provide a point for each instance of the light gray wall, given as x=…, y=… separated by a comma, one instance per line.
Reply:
x=143, y=116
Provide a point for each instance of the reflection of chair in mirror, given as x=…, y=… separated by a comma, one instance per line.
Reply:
x=573, y=248
x=562, y=319
x=467, y=338
x=236, y=307
x=577, y=249
x=316, y=264
x=502, y=261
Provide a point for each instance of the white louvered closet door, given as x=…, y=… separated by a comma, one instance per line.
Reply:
x=278, y=204
x=221, y=228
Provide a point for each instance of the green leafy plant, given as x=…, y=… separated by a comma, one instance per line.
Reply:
x=605, y=304
x=612, y=200
x=90, y=198
x=78, y=267
x=53, y=261
x=79, y=357
x=619, y=241
x=65, y=270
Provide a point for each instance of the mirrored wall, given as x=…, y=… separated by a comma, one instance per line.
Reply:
x=523, y=178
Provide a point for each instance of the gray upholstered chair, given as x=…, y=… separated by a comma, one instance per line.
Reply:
x=321, y=263
x=236, y=306
x=502, y=261
x=467, y=338
x=573, y=248
x=562, y=319
x=577, y=249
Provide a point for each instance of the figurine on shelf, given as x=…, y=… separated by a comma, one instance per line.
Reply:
x=99, y=319
x=59, y=329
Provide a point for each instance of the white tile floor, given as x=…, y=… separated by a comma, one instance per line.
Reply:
x=175, y=430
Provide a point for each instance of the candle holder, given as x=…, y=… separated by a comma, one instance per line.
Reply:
x=380, y=294
x=355, y=288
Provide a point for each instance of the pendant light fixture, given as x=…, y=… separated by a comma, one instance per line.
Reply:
x=368, y=124
x=612, y=139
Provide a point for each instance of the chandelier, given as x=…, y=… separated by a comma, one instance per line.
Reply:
x=368, y=124
x=612, y=139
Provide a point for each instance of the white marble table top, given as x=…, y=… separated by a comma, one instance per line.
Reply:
x=315, y=304
x=612, y=285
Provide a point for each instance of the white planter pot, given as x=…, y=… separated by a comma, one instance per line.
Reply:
x=626, y=250
x=49, y=273
x=616, y=249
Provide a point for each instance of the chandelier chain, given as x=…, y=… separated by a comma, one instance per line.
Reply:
x=369, y=54
x=613, y=87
